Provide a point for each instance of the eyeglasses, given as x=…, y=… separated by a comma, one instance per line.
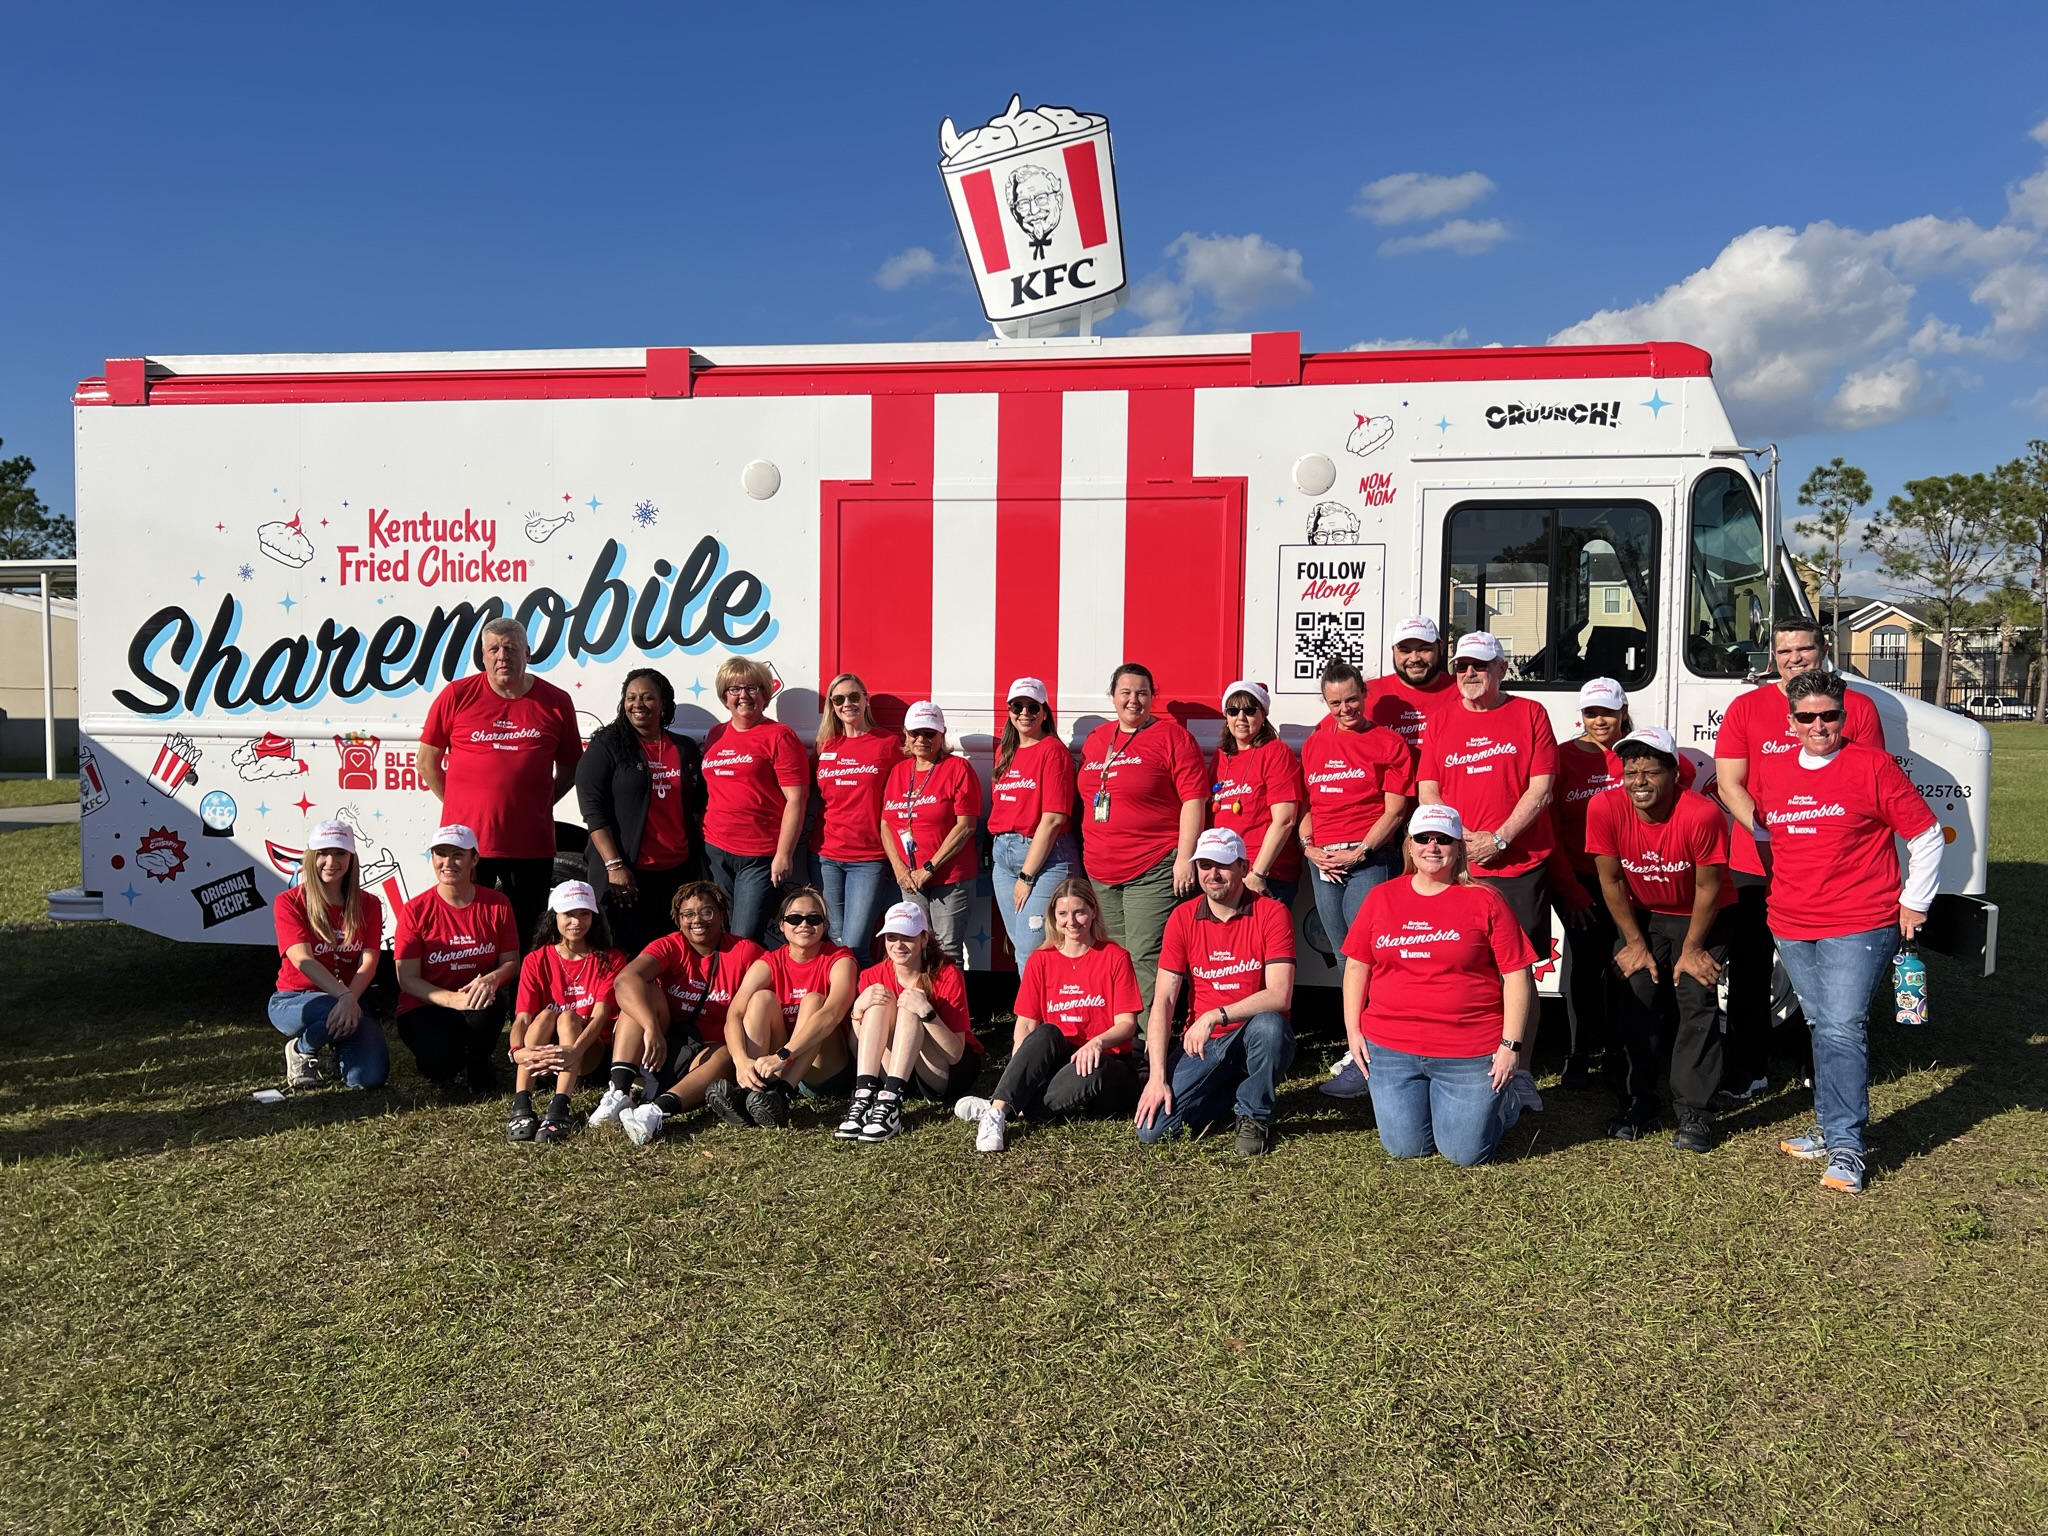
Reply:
x=803, y=919
x=841, y=699
x=1235, y=710
x=742, y=690
x=695, y=915
x=1468, y=664
x=1818, y=717
x=1025, y=706
x=1434, y=839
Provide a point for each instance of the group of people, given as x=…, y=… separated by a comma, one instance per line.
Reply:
x=735, y=946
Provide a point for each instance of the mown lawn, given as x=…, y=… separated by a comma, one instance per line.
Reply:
x=367, y=1312
x=37, y=791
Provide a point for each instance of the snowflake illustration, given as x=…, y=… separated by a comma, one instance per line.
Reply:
x=247, y=573
x=645, y=512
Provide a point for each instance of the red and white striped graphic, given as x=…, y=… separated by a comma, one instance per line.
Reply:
x=992, y=233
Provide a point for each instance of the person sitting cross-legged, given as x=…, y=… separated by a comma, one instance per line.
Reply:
x=788, y=1027
x=910, y=1026
x=1237, y=949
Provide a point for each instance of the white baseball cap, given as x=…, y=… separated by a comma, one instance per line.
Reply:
x=1437, y=818
x=454, y=835
x=1655, y=737
x=1028, y=688
x=1256, y=690
x=1219, y=845
x=906, y=920
x=1480, y=646
x=572, y=896
x=331, y=834
x=1602, y=693
x=1418, y=627
x=924, y=715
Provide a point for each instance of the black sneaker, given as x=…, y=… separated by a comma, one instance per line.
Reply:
x=522, y=1127
x=1254, y=1137
x=856, y=1115
x=1695, y=1131
x=1577, y=1075
x=769, y=1107
x=884, y=1120
x=722, y=1098
x=1633, y=1124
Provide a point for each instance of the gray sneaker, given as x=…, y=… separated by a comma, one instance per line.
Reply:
x=1254, y=1137
x=300, y=1069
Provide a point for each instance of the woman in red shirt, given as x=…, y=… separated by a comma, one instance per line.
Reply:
x=1438, y=1005
x=1030, y=807
x=787, y=1026
x=1256, y=791
x=1586, y=767
x=1144, y=793
x=930, y=809
x=1077, y=1014
x=854, y=756
x=327, y=936
x=911, y=1029
x=756, y=779
x=563, y=1028
x=640, y=787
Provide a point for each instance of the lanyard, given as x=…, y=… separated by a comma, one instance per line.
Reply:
x=1117, y=749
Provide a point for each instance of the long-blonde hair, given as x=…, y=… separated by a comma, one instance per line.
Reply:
x=351, y=903
x=829, y=729
x=1461, y=875
x=1083, y=891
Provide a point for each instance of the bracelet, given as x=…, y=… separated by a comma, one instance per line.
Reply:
x=614, y=863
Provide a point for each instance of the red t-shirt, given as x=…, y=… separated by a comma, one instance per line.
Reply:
x=502, y=757
x=1244, y=788
x=550, y=979
x=948, y=995
x=1758, y=727
x=1658, y=857
x=1349, y=775
x=340, y=957
x=1040, y=778
x=745, y=773
x=922, y=804
x=1399, y=705
x=700, y=987
x=1482, y=760
x=454, y=945
x=1226, y=960
x=852, y=771
x=1436, y=967
x=1582, y=777
x=796, y=980
x=1148, y=775
x=664, y=841
x=1834, y=870
x=1080, y=996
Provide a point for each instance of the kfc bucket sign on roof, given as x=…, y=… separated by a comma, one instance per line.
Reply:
x=1034, y=194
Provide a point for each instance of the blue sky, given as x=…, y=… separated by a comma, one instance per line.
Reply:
x=1848, y=205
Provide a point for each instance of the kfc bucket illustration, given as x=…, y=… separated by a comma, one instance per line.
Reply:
x=1034, y=194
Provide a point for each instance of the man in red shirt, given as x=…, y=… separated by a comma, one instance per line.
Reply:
x=1662, y=852
x=1238, y=948
x=1403, y=698
x=498, y=750
x=1756, y=734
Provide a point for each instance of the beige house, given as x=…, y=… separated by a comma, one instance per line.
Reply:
x=21, y=674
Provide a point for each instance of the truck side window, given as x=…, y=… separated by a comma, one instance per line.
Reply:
x=1728, y=600
x=1567, y=587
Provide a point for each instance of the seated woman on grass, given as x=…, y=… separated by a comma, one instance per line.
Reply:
x=327, y=935
x=672, y=1007
x=911, y=1028
x=787, y=1028
x=563, y=1029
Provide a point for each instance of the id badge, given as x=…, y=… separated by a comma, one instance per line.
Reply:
x=1102, y=805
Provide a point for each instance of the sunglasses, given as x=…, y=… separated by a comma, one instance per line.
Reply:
x=1025, y=706
x=1236, y=710
x=839, y=699
x=803, y=919
x=1819, y=717
x=1468, y=664
x=922, y=735
x=1435, y=839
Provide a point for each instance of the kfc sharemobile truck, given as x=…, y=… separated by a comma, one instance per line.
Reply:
x=282, y=558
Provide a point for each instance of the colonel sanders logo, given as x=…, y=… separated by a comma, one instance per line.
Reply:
x=1036, y=202
x=1331, y=522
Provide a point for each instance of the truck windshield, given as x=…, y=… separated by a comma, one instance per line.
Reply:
x=1727, y=613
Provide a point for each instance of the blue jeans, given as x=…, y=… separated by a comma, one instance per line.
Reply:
x=1337, y=903
x=1835, y=979
x=1242, y=1071
x=744, y=879
x=1446, y=1104
x=364, y=1055
x=1027, y=928
x=853, y=895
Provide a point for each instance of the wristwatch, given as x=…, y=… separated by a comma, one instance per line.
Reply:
x=1500, y=844
x=1511, y=1045
x=926, y=866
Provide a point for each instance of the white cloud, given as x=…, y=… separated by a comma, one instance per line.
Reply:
x=2036, y=402
x=2017, y=297
x=1880, y=394
x=1464, y=236
x=1456, y=338
x=1229, y=275
x=915, y=265
x=2028, y=201
x=1409, y=197
x=1926, y=245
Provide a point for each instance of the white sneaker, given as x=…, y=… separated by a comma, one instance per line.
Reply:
x=643, y=1124
x=970, y=1109
x=993, y=1134
x=301, y=1070
x=610, y=1107
x=1524, y=1088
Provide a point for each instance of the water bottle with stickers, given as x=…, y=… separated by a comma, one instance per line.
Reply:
x=1909, y=984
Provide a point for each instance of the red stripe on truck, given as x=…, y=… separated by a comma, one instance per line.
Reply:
x=1027, y=595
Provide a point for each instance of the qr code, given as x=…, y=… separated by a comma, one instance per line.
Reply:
x=1322, y=637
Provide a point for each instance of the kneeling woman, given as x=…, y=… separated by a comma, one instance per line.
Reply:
x=1077, y=1014
x=327, y=936
x=910, y=1027
x=1439, y=1001
x=787, y=1028
x=673, y=1001
x=563, y=1027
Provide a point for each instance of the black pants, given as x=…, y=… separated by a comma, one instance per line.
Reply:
x=1750, y=948
x=1644, y=1010
x=446, y=1042
x=1587, y=1002
x=1529, y=899
x=1040, y=1082
x=639, y=922
x=523, y=882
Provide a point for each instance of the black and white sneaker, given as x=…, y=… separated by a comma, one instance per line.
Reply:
x=769, y=1107
x=856, y=1115
x=301, y=1068
x=523, y=1126
x=723, y=1099
x=884, y=1120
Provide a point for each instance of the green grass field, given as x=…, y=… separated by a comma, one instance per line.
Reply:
x=368, y=1312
